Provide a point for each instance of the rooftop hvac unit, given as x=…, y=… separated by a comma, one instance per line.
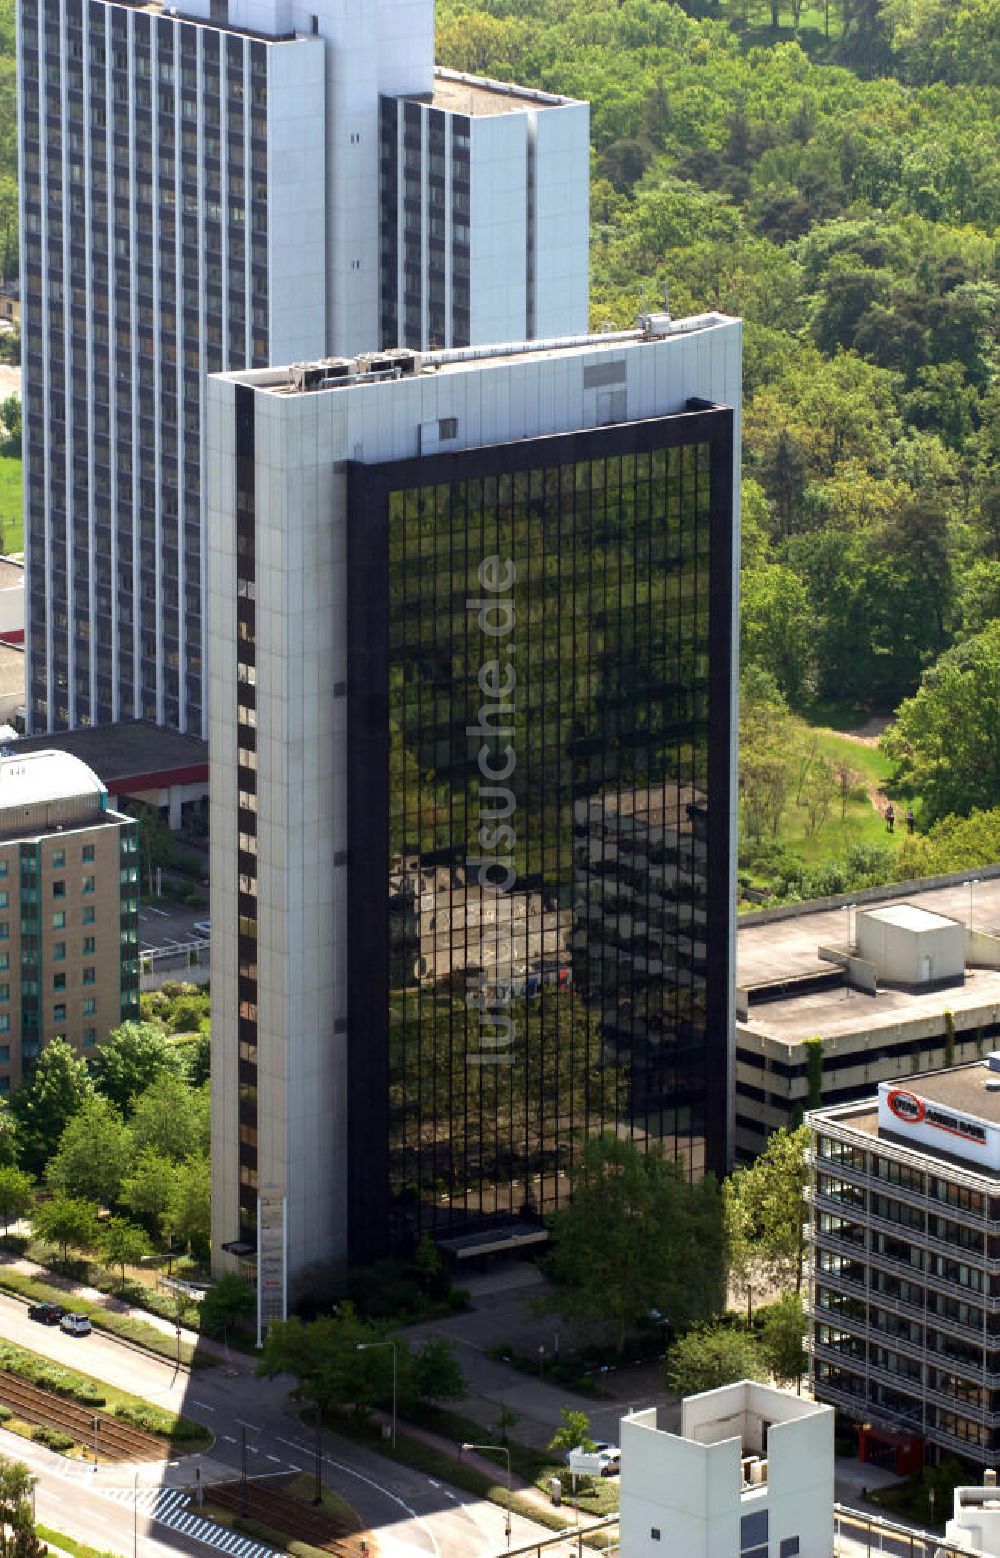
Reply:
x=311, y=375
x=399, y=359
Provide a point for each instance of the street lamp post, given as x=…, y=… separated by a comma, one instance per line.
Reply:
x=366, y=1347
x=497, y=1449
x=95, y=1424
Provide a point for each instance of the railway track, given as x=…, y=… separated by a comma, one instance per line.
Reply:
x=116, y=1441
x=283, y=1512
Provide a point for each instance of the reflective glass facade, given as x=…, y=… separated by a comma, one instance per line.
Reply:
x=540, y=799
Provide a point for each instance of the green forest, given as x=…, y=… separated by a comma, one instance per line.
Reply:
x=831, y=174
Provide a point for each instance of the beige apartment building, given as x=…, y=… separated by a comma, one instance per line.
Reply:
x=69, y=910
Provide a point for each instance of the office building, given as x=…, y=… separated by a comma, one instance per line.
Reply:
x=750, y=1475
x=832, y=999
x=69, y=910
x=472, y=754
x=216, y=185
x=904, y=1282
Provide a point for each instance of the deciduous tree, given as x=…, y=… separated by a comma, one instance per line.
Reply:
x=15, y=1195
x=130, y=1060
x=67, y=1222
x=710, y=1356
x=44, y=1105
x=636, y=1236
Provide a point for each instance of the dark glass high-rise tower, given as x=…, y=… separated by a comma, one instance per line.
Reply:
x=556, y=813
x=481, y=849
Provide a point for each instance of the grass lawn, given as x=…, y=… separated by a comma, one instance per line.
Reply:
x=69, y=1544
x=11, y=505
x=856, y=823
x=861, y=823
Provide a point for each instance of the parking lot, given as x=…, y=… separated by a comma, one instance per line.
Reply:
x=164, y=925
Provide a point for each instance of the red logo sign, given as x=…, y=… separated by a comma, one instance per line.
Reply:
x=906, y=1106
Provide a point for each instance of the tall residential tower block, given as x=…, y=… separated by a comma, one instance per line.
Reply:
x=473, y=742
x=215, y=185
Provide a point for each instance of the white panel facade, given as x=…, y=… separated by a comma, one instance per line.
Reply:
x=296, y=187
x=560, y=217
x=498, y=228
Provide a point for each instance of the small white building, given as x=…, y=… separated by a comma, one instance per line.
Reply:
x=975, y=1525
x=750, y=1475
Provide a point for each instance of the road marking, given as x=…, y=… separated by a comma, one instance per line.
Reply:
x=275, y=1458
x=433, y=1483
x=228, y=1438
x=302, y=1448
x=204, y=1406
x=381, y=1488
x=171, y=1508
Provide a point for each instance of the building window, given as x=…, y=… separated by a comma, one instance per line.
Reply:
x=88, y=852
x=3, y=868
x=59, y=888
x=89, y=1006
x=89, y=1038
x=4, y=1022
x=58, y=859
x=88, y=944
x=4, y=992
x=789, y=1547
x=4, y=1053
x=58, y=981
x=89, y=976
x=89, y=914
x=59, y=1012
x=3, y=900
x=88, y=884
x=58, y=951
x=753, y=1534
x=4, y=962
x=654, y=1533
x=4, y=930
x=58, y=920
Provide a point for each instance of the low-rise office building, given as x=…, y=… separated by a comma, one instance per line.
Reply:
x=750, y=1473
x=69, y=910
x=899, y=982
x=904, y=1279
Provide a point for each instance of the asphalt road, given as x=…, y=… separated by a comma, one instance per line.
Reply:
x=410, y=1513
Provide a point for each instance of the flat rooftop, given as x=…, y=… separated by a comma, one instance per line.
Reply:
x=128, y=753
x=787, y=949
x=962, y=1088
x=330, y=375
x=479, y=97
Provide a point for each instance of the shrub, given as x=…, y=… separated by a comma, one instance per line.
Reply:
x=52, y=1438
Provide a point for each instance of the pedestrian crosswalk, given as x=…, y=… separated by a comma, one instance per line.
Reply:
x=172, y=1508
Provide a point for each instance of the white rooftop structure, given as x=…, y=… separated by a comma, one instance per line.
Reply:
x=750, y=1473
x=31, y=781
x=908, y=945
x=975, y=1525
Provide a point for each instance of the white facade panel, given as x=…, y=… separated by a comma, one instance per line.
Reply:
x=560, y=213
x=296, y=188
x=498, y=229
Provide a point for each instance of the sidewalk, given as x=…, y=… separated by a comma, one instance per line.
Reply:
x=495, y=1469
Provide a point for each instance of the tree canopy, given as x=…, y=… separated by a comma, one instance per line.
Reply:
x=636, y=1236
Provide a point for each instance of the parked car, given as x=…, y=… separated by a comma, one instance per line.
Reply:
x=202, y=928
x=76, y=1325
x=46, y=1314
x=609, y=1454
